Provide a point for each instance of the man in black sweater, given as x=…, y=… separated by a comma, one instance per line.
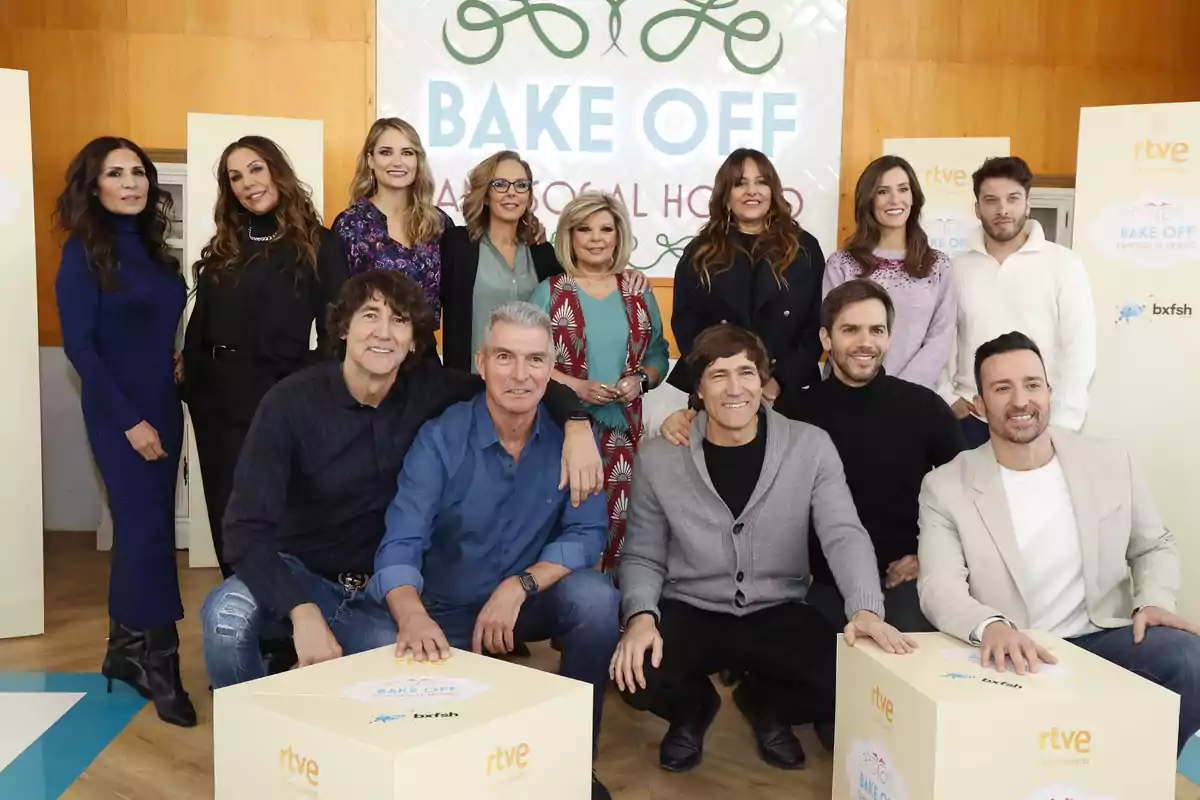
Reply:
x=889, y=434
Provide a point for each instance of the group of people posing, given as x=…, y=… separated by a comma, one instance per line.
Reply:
x=367, y=492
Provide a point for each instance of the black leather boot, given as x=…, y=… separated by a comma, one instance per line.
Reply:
x=125, y=658
x=162, y=671
x=777, y=742
x=682, y=748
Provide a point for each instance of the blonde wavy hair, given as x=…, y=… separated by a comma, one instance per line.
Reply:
x=424, y=221
x=475, y=209
x=574, y=214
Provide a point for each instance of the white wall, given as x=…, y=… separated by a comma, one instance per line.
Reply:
x=21, y=588
x=70, y=481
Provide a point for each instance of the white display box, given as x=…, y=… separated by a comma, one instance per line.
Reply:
x=935, y=725
x=370, y=725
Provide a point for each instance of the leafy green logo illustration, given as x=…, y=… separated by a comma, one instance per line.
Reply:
x=492, y=20
x=748, y=26
x=478, y=16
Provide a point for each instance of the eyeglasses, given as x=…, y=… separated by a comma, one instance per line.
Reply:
x=501, y=185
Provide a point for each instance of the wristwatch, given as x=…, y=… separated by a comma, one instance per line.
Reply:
x=578, y=415
x=528, y=582
x=644, y=378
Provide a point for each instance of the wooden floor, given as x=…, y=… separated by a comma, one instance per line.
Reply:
x=151, y=760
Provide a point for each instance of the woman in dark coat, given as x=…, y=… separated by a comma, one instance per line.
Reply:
x=752, y=265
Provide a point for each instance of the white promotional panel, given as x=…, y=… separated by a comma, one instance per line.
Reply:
x=944, y=168
x=642, y=99
x=935, y=725
x=207, y=137
x=1137, y=229
x=372, y=725
x=22, y=610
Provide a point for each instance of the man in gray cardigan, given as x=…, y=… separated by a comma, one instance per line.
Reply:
x=714, y=566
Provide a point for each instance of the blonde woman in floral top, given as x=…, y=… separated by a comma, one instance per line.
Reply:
x=392, y=222
x=890, y=247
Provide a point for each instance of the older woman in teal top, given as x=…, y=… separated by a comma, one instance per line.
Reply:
x=608, y=339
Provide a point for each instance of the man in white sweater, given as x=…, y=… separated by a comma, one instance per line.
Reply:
x=1012, y=278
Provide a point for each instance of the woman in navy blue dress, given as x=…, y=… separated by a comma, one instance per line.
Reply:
x=120, y=297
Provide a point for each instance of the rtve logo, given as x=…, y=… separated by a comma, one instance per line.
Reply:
x=882, y=703
x=295, y=764
x=946, y=177
x=1064, y=740
x=508, y=758
x=1150, y=150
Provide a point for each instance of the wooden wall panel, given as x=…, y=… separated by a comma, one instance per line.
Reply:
x=1016, y=68
x=136, y=68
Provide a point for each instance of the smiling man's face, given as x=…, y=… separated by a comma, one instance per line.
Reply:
x=379, y=338
x=731, y=390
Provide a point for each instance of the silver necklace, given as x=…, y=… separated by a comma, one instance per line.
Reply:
x=250, y=233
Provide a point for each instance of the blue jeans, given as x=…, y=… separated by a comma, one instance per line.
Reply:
x=1167, y=657
x=580, y=612
x=232, y=624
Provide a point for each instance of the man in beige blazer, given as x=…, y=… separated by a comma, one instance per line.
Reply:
x=1050, y=530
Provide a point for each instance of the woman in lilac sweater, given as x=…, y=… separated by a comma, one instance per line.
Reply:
x=889, y=247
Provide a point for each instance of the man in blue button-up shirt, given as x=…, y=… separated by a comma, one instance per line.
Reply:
x=482, y=548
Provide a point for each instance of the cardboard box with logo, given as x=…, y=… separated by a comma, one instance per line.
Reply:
x=936, y=725
x=370, y=725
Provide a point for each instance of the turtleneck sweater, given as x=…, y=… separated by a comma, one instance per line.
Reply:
x=121, y=341
x=889, y=434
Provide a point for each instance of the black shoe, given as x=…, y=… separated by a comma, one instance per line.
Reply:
x=599, y=792
x=824, y=731
x=162, y=673
x=278, y=655
x=777, y=743
x=729, y=676
x=682, y=748
x=125, y=658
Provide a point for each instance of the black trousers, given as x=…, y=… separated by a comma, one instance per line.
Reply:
x=901, y=607
x=218, y=442
x=789, y=651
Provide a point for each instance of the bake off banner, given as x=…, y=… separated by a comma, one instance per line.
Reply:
x=944, y=168
x=643, y=99
x=1137, y=229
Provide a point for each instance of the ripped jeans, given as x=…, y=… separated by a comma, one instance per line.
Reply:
x=232, y=623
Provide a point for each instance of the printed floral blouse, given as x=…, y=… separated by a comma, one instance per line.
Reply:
x=363, y=230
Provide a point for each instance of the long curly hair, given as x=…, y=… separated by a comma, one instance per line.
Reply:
x=424, y=221
x=296, y=217
x=919, y=257
x=715, y=246
x=475, y=202
x=78, y=211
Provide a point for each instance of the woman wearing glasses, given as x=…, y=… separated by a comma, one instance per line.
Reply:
x=494, y=258
x=497, y=257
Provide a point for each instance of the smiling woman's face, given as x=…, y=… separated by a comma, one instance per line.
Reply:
x=251, y=181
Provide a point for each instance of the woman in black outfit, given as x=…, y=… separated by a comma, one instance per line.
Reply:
x=753, y=266
x=268, y=273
